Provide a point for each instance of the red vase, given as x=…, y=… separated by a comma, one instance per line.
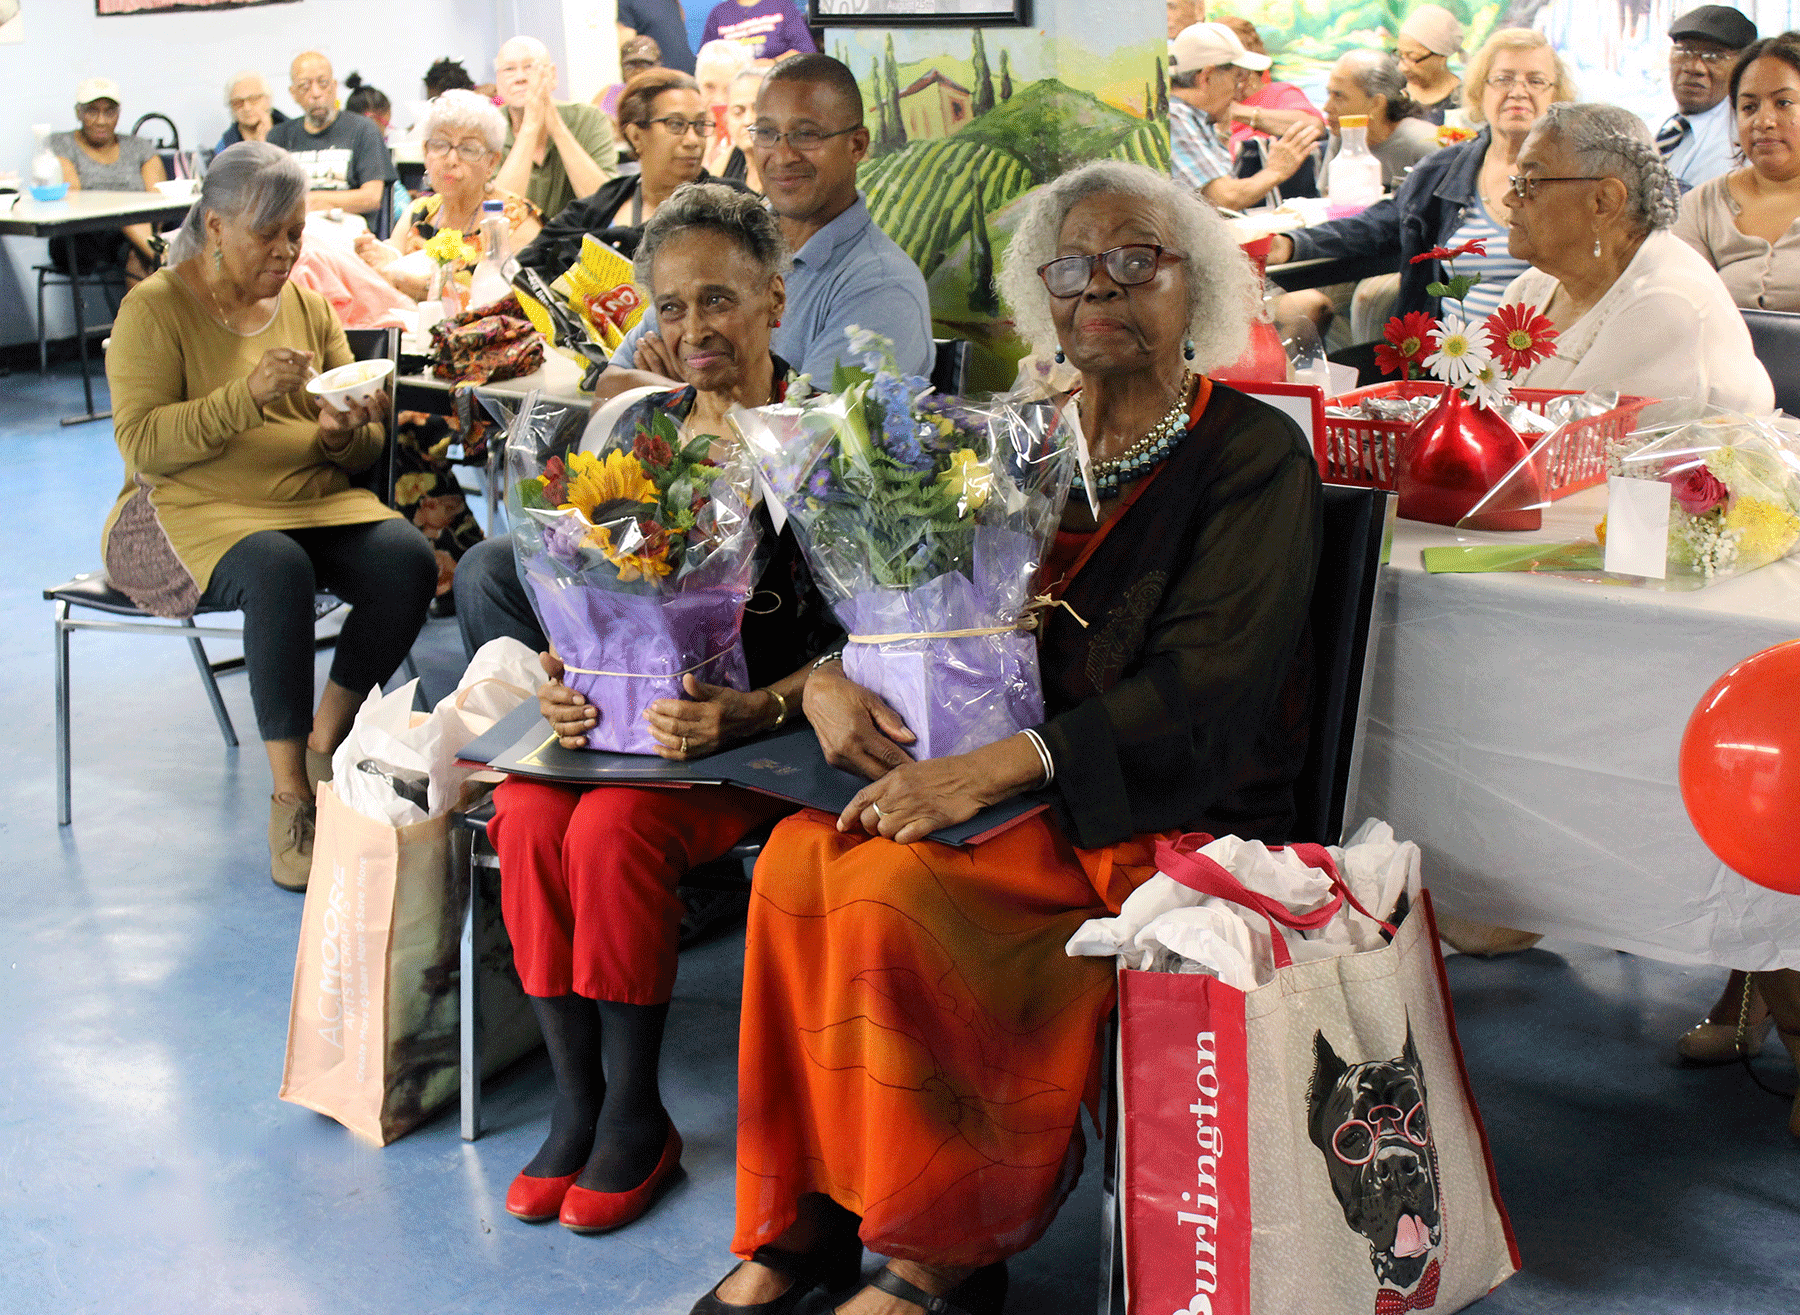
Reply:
x=1453, y=456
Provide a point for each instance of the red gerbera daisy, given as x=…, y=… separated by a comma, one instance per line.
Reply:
x=1476, y=248
x=1519, y=337
x=1407, y=343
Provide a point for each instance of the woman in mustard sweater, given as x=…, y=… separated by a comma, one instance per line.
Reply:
x=237, y=491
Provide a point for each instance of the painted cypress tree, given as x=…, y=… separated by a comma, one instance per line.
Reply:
x=984, y=81
x=893, y=92
x=984, y=298
x=884, y=134
x=1005, y=75
x=1162, y=92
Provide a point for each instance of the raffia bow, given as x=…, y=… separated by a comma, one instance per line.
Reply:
x=1030, y=618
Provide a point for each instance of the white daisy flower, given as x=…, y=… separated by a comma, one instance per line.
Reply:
x=1460, y=352
x=1490, y=388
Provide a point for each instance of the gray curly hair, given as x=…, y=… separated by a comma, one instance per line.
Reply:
x=740, y=216
x=1605, y=139
x=464, y=111
x=1223, y=293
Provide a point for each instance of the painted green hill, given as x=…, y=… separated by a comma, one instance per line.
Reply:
x=1052, y=127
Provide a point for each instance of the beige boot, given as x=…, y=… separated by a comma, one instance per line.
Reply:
x=1481, y=939
x=318, y=769
x=1782, y=991
x=291, y=820
x=1714, y=1039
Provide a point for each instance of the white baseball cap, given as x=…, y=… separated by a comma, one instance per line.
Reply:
x=1206, y=45
x=93, y=89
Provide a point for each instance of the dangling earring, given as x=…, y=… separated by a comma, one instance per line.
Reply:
x=777, y=324
x=219, y=260
x=1596, y=246
x=1187, y=349
x=1060, y=358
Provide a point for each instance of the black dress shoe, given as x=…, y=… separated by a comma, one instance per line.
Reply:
x=833, y=1269
x=982, y=1293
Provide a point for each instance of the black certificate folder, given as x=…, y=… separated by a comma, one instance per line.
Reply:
x=787, y=764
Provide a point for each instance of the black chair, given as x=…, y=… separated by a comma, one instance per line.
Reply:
x=173, y=141
x=1776, y=336
x=381, y=223
x=950, y=364
x=1342, y=612
x=92, y=594
x=109, y=280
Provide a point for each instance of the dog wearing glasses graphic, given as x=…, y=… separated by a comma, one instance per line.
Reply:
x=1370, y=1122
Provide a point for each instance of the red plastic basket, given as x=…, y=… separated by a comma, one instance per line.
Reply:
x=1367, y=452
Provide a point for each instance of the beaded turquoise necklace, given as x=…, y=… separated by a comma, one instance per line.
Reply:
x=1164, y=436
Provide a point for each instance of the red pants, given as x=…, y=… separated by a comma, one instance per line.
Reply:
x=588, y=877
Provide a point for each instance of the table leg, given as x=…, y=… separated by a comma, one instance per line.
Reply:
x=81, y=345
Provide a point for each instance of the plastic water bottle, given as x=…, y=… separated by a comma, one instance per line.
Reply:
x=46, y=169
x=1354, y=178
x=492, y=279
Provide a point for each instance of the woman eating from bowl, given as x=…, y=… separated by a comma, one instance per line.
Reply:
x=588, y=876
x=96, y=159
x=1636, y=309
x=237, y=489
x=463, y=135
x=1455, y=196
x=1746, y=223
x=668, y=126
x=940, y=1126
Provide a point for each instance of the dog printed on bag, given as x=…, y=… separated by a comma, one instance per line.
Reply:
x=1371, y=1124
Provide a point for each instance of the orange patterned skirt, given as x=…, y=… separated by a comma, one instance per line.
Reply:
x=915, y=1043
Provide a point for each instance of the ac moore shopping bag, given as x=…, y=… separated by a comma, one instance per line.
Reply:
x=1306, y=1148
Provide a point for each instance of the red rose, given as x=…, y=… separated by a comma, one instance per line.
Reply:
x=556, y=490
x=1698, y=490
x=651, y=450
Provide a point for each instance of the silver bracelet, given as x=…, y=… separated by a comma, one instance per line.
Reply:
x=1043, y=751
x=836, y=656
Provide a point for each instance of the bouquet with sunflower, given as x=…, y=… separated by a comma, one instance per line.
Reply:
x=638, y=549
x=924, y=519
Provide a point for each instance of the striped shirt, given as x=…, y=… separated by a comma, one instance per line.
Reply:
x=1497, y=268
x=1197, y=154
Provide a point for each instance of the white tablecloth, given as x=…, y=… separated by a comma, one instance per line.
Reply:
x=1525, y=731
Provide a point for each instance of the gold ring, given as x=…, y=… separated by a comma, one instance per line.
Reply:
x=878, y=813
x=684, y=744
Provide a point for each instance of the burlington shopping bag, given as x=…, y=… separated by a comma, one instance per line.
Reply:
x=1309, y=1147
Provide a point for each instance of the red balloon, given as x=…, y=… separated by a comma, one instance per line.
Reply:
x=1740, y=768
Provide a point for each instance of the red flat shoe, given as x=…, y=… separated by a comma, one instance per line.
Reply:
x=538, y=1200
x=585, y=1211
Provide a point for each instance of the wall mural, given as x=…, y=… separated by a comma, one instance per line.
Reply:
x=965, y=123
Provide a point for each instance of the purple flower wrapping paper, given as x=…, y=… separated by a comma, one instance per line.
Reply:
x=651, y=639
x=956, y=695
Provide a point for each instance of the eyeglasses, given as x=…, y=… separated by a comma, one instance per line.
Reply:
x=239, y=102
x=680, y=127
x=323, y=84
x=524, y=66
x=1536, y=83
x=469, y=152
x=1415, y=56
x=99, y=109
x=801, y=139
x=1128, y=266
x=1524, y=186
x=1356, y=1140
x=1682, y=54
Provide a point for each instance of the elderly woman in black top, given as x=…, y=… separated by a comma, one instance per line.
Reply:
x=915, y=1043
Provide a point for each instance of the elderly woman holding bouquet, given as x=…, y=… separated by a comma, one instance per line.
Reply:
x=1636, y=309
x=916, y=1045
x=588, y=876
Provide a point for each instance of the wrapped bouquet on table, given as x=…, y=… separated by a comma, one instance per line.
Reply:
x=1297, y=1131
x=638, y=551
x=924, y=519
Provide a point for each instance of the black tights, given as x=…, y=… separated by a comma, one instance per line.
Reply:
x=608, y=1114
x=383, y=569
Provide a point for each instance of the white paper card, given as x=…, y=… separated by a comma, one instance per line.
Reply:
x=1637, y=527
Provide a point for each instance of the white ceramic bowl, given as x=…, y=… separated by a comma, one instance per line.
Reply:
x=178, y=186
x=354, y=382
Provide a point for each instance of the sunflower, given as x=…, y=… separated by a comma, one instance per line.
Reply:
x=592, y=483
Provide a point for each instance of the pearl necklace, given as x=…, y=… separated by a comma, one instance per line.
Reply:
x=1109, y=476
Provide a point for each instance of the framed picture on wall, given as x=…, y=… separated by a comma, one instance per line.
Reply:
x=109, y=8
x=918, y=13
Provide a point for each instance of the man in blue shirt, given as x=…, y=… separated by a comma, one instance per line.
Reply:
x=1698, y=140
x=808, y=139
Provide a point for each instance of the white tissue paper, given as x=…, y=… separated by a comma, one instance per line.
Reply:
x=1166, y=926
x=399, y=767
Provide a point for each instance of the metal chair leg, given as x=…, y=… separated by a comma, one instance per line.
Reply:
x=465, y=878
x=43, y=329
x=212, y=689
x=62, y=714
x=1112, y=1238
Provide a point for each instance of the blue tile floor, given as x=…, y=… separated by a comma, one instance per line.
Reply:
x=145, y=966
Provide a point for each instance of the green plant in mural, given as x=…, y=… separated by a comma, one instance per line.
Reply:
x=984, y=297
x=883, y=132
x=1006, y=75
x=984, y=82
x=897, y=125
x=1161, y=110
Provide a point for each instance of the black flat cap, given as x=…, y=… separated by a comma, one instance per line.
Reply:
x=1719, y=23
